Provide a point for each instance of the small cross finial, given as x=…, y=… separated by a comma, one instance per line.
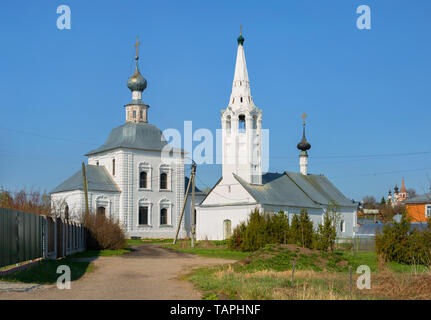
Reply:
x=240, y=30
x=304, y=116
x=137, y=46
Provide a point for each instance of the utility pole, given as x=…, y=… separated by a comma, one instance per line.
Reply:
x=84, y=178
x=184, y=206
x=192, y=207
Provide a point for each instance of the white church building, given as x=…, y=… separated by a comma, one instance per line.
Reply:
x=243, y=187
x=130, y=179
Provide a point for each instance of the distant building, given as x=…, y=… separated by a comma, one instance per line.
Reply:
x=419, y=208
x=399, y=196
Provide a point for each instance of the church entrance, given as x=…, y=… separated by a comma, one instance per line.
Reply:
x=100, y=211
x=227, y=224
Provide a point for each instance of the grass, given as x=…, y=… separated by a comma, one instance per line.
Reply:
x=211, y=249
x=99, y=253
x=266, y=274
x=46, y=271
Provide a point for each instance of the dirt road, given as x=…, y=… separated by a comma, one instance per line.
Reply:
x=149, y=272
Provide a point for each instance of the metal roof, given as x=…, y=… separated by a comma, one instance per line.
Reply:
x=295, y=190
x=422, y=198
x=98, y=179
x=370, y=229
x=141, y=135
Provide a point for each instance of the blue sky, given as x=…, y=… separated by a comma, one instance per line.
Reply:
x=366, y=92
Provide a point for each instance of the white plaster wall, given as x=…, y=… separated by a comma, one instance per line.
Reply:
x=127, y=170
x=76, y=201
x=227, y=192
x=209, y=224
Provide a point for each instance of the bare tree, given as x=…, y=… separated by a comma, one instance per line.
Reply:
x=411, y=192
x=369, y=202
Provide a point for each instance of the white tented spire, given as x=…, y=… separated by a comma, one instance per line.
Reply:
x=241, y=94
x=241, y=129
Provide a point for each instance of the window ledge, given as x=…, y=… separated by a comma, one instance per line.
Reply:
x=144, y=226
x=165, y=226
x=145, y=189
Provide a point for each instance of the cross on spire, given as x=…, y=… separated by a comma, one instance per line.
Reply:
x=137, y=47
x=240, y=30
x=304, y=116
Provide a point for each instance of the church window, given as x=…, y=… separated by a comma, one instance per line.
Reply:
x=241, y=99
x=342, y=226
x=97, y=163
x=143, y=180
x=143, y=215
x=141, y=114
x=134, y=114
x=241, y=123
x=113, y=167
x=164, y=216
x=163, y=181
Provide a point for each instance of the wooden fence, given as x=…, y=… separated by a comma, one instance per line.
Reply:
x=25, y=236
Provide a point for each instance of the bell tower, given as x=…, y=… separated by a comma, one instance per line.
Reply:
x=241, y=128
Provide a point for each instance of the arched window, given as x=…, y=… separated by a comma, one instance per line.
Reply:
x=241, y=123
x=163, y=181
x=113, y=167
x=143, y=180
x=227, y=226
x=254, y=122
x=143, y=215
x=66, y=212
x=164, y=216
x=100, y=211
x=228, y=124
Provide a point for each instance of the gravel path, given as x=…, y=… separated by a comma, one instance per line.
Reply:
x=150, y=272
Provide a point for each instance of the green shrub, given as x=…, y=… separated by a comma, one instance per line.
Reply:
x=272, y=228
x=397, y=243
x=327, y=231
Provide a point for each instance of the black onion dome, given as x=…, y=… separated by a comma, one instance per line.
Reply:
x=137, y=82
x=240, y=40
x=303, y=145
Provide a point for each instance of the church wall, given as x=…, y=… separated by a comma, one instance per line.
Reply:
x=227, y=192
x=129, y=164
x=210, y=220
x=74, y=199
x=76, y=202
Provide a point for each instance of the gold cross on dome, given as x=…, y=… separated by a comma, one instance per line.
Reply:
x=304, y=115
x=240, y=30
x=137, y=45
